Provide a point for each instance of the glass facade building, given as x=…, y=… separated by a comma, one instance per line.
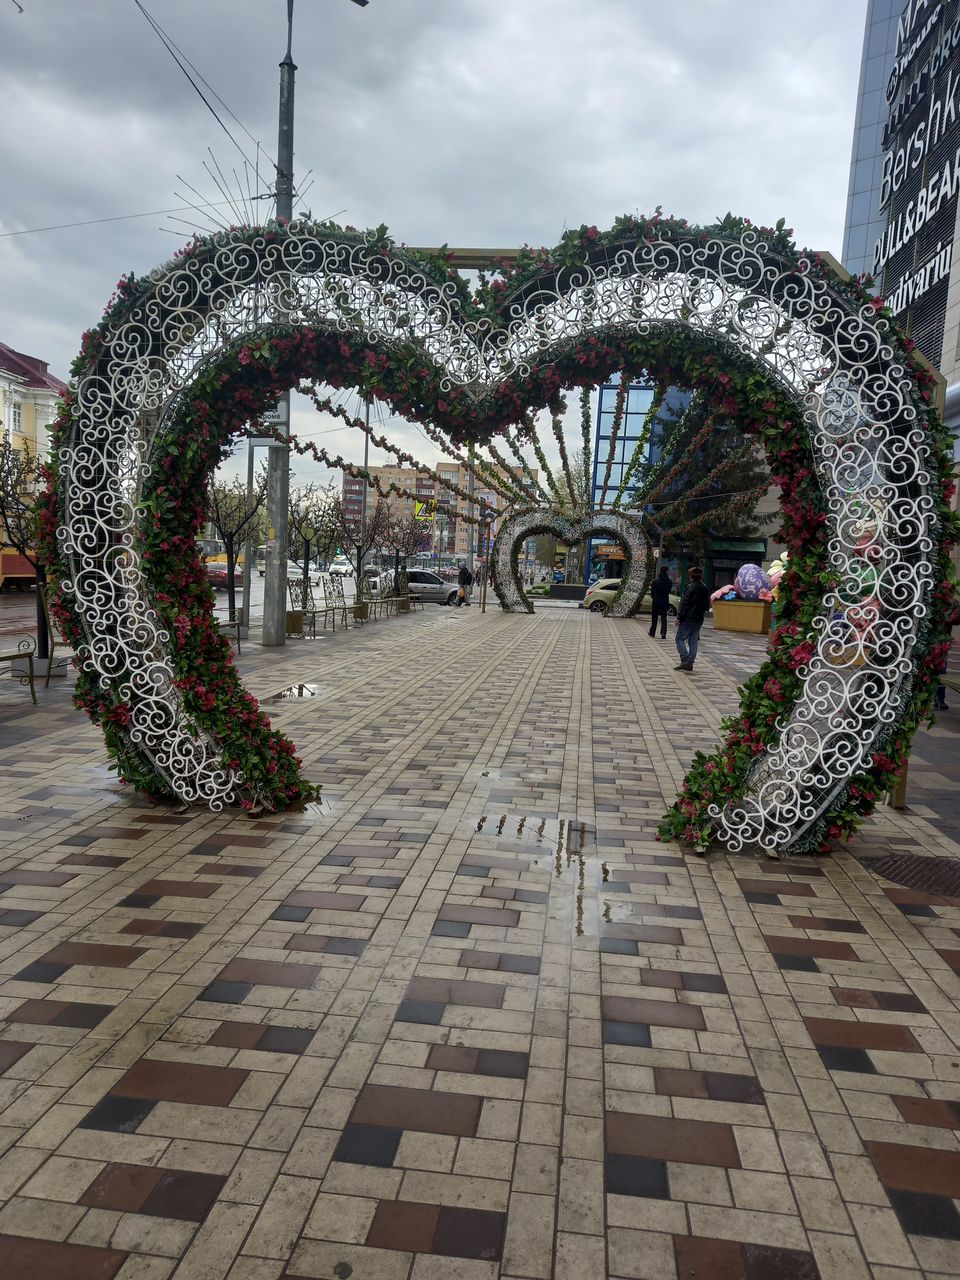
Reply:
x=865, y=223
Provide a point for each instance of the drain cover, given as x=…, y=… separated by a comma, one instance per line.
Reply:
x=939, y=877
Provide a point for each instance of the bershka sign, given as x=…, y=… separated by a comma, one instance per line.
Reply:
x=900, y=162
x=942, y=187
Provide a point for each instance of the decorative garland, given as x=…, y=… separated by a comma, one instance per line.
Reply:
x=247, y=377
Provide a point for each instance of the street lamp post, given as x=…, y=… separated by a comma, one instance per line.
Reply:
x=278, y=466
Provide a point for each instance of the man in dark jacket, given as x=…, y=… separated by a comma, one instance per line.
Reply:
x=690, y=615
x=660, y=600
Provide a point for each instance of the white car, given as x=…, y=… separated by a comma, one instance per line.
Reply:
x=295, y=573
x=341, y=566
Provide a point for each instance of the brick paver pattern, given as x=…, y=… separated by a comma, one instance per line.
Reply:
x=467, y=1018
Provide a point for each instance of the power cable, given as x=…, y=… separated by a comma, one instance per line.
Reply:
x=180, y=61
x=122, y=217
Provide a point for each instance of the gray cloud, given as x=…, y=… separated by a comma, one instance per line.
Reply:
x=480, y=122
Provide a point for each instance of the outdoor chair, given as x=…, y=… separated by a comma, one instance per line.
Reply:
x=407, y=602
x=302, y=602
x=333, y=598
x=231, y=629
x=25, y=649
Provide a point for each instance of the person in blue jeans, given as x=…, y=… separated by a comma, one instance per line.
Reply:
x=690, y=616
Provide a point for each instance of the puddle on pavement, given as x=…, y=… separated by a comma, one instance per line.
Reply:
x=568, y=844
x=293, y=691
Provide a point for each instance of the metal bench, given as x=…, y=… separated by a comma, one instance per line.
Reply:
x=25, y=649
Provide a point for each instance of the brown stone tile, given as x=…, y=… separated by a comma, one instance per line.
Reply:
x=192, y=1083
x=425, y=1110
x=861, y=1035
x=237, y=1035
x=97, y=954
x=783, y=888
x=105, y=831
x=656, y=1013
x=641, y=877
x=49, y=879
x=728, y=1086
x=502, y=916
x=482, y=995
x=176, y=889
x=91, y=860
x=669, y=978
x=12, y=1051
x=25, y=1259
x=699, y=1258
x=285, y=1039
x=38, y=1012
x=184, y=1195
x=826, y=924
x=680, y=1082
x=784, y=946
x=450, y=1057
x=663, y=1138
x=229, y=869
x=469, y=1233
x=124, y=1187
x=908, y=1168
x=929, y=1111
x=405, y=1225
x=317, y=901
x=270, y=973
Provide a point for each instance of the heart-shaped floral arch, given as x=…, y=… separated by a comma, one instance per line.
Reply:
x=520, y=525
x=186, y=355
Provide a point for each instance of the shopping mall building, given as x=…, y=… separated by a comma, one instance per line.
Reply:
x=902, y=203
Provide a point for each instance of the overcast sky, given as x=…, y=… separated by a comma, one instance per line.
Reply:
x=470, y=122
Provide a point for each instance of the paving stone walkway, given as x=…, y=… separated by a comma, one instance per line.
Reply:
x=467, y=1019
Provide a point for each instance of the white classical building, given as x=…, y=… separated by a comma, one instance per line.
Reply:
x=28, y=399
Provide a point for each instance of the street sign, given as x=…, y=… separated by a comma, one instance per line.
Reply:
x=424, y=509
x=260, y=442
x=277, y=416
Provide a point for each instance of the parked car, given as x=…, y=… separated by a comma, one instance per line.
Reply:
x=217, y=574
x=431, y=588
x=600, y=596
x=295, y=572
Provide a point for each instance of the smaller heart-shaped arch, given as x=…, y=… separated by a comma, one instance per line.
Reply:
x=637, y=569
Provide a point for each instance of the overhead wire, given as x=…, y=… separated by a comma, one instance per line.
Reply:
x=183, y=62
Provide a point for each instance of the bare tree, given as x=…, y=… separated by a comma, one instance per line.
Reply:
x=21, y=479
x=233, y=513
x=310, y=523
x=405, y=536
x=361, y=535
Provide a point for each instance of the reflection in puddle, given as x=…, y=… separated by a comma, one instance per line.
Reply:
x=293, y=691
x=568, y=843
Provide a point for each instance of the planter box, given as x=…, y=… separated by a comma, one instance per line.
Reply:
x=295, y=622
x=742, y=615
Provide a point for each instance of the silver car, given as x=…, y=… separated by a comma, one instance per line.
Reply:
x=431, y=588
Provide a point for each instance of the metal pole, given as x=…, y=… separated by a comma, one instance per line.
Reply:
x=470, y=525
x=278, y=466
x=248, y=558
x=366, y=460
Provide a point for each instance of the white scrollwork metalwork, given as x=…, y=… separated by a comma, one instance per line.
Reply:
x=831, y=355
x=525, y=524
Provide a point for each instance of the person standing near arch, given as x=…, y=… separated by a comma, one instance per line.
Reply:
x=690, y=616
x=660, y=602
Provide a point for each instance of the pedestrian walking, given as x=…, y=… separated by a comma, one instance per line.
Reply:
x=690, y=616
x=660, y=602
x=465, y=582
